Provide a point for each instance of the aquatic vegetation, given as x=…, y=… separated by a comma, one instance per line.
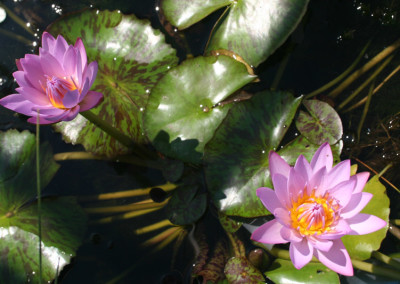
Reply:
x=54, y=83
x=314, y=206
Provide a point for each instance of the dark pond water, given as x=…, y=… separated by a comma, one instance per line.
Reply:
x=326, y=42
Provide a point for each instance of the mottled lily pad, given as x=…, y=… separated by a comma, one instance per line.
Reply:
x=182, y=112
x=132, y=57
x=240, y=270
x=361, y=247
x=63, y=221
x=322, y=124
x=283, y=271
x=229, y=224
x=237, y=156
x=186, y=206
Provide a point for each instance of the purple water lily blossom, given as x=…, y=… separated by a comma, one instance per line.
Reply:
x=56, y=82
x=314, y=206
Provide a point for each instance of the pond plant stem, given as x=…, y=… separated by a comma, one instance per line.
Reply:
x=341, y=76
x=365, y=111
x=20, y=38
x=17, y=19
x=393, y=229
x=39, y=197
x=361, y=265
x=363, y=101
x=356, y=74
x=128, y=207
x=153, y=227
x=386, y=259
x=161, y=236
x=126, y=193
x=125, y=140
x=366, y=83
x=125, y=216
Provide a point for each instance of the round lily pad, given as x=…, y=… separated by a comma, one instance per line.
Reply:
x=322, y=124
x=237, y=156
x=132, y=57
x=183, y=113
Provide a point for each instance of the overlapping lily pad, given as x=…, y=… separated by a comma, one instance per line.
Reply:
x=283, y=271
x=132, y=57
x=361, y=247
x=237, y=156
x=181, y=115
x=322, y=124
x=254, y=29
x=62, y=219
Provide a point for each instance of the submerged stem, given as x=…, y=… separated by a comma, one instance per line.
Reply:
x=153, y=227
x=386, y=259
x=124, y=216
x=39, y=196
x=125, y=208
x=365, y=111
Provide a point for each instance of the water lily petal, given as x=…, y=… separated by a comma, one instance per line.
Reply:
x=91, y=72
x=18, y=103
x=341, y=229
x=337, y=258
x=295, y=183
x=42, y=120
x=321, y=244
x=82, y=51
x=362, y=224
x=282, y=215
x=303, y=167
x=33, y=70
x=291, y=235
x=91, y=100
x=300, y=253
x=315, y=182
x=59, y=49
x=51, y=66
x=69, y=61
x=277, y=165
x=48, y=42
x=33, y=95
x=322, y=158
x=362, y=179
x=71, y=99
x=338, y=174
x=268, y=198
x=357, y=202
x=269, y=233
x=281, y=191
x=343, y=192
x=21, y=80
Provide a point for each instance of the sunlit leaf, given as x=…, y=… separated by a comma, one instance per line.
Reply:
x=321, y=124
x=132, y=57
x=240, y=270
x=237, y=156
x=180, y=118
x=361, y=247
x=283, y=271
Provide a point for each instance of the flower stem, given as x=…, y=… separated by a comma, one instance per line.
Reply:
x=341, y=76
x=39, y=196
x=379, y=57
x=386, y=259
x=365, y=111
x=125, y=140
x=153, y=227
x=126, y=193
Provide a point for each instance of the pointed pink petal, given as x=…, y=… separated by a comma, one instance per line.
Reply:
x=91, y=100
x=300, y=253
x=269, y=233
x=20, y=78
x=282, y=215
x=315, y=182
x=357, y=203
x=303, y=168
x=268, y=198
x=19, y=66
x=48, y=42
x=82, y=51
x=277, y=165
x=19, y=104
x=33, y=95
x=69, y=61
x=33, y=71
x=322, y=158
x=291, y=235
x=295, y=183
x=280, y=186
x=71, y=99
x=362, y=179
x=51, y=66
x=42, y=120
x=84, y=91
x=60, y=48
x=340, y=173
x=343, y=192
x=321, y=244
x=91, y=72
x=362, y=224
x=72, y=113
x=341, y=229
x=337, y=258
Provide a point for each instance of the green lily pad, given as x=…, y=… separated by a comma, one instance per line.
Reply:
x=186, y=205
x=322, y=124
x=283, y=271
x=63, y=221
x=361, y=247
x=240, y=270
x=229, y=224
x=132, y=57
x=181, y=115
x=254, y=29
x=237, y=156
x=183, y=14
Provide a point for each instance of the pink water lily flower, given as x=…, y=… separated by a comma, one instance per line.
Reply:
x=314, y=206
x=56, y=82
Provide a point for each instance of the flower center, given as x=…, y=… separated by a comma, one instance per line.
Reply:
x=313, y=215
x=56, y=88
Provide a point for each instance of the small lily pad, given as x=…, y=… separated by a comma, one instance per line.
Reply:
x=321, y=125
x=132, y=57
x=240, y=270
